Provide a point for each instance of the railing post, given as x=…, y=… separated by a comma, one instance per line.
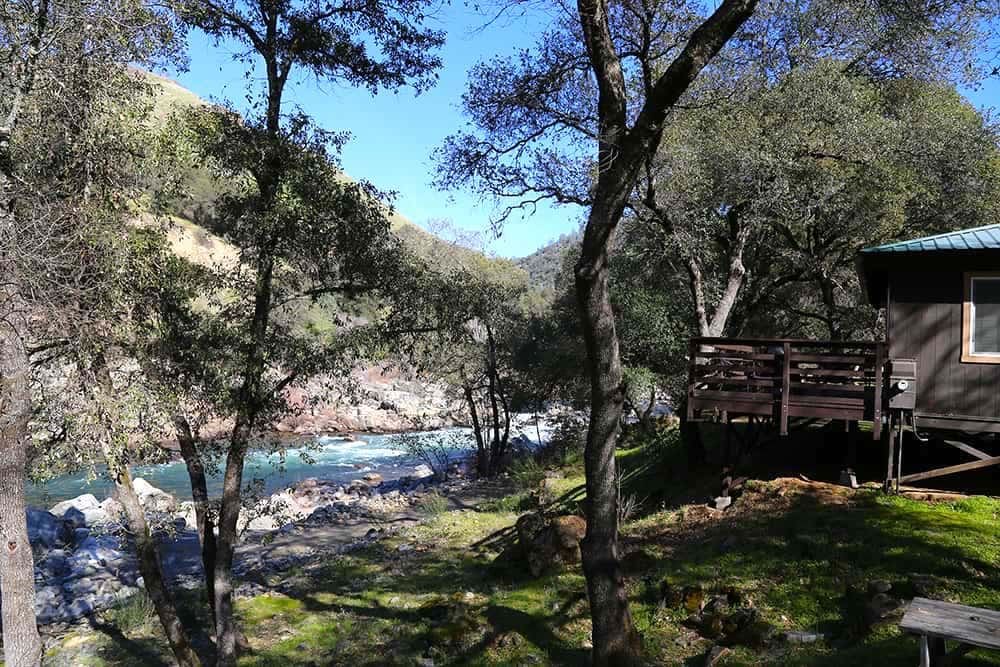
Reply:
x=786, y=373
x=879, y=391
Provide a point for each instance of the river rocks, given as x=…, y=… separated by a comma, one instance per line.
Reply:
x=80, y=511
x=112, y=509
x=422, y=472
x=85, y=563
x=152, y=498
x=101, y=551
x=84, y=577
x=185, y=512
x=52, y=566
x=46, y=530
x=262, y=523
x=311, y=493
x=359, y=487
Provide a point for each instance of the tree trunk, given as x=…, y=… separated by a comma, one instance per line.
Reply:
x=149, y=558
x=621, y=153
x=251, y=393
x=152, y=569
x=615, y=639
x=250, y=402
x=827, y=290
x=227, y=634
x=22, y=645
x=482, y=456
x=203, y=517
x=491, y=374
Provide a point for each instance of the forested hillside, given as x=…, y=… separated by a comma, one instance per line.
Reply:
x=544, y=264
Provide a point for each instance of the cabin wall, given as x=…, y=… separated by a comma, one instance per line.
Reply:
x=925, y=323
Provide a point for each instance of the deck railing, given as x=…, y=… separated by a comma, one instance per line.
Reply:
x=784, y=378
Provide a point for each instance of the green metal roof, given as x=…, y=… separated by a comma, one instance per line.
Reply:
x=978, y=238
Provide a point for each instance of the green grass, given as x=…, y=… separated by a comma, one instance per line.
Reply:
x=801, y=554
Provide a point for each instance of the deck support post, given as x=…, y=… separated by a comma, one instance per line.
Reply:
x=879, y=393
x=727, y=447
x=887, y=487
x=786, y=380
x=851, y=431
x=692, y=362
x=899, y=454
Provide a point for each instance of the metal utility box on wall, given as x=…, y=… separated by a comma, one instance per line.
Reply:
x=902, y=384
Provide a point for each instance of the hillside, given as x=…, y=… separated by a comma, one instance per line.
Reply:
x=195, y=234
x=194, y=215
x=543, y=265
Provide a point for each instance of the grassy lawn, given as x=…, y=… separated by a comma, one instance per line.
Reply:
x=800, y=553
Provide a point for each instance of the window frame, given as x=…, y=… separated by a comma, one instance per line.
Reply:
x=968, y=330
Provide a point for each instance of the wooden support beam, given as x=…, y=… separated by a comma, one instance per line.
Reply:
x=950, y=470
x=968, y=449
x=786, y=371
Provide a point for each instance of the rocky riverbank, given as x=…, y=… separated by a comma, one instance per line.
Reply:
x=85, y=562
x=373, y=400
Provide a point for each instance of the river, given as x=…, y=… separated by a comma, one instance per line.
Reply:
x=337, y=458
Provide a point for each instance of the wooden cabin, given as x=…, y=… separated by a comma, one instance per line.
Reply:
x=942, y=299
x=937, y=371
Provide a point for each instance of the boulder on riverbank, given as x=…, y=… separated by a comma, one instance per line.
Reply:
x=81, y=511
x=152, y=498
x=546, y=544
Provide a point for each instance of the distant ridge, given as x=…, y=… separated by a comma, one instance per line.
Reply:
x=543, y=265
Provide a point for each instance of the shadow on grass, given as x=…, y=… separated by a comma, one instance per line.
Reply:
x=144, y=651
x=370, y=588
x=536, y=631
x=809, y=561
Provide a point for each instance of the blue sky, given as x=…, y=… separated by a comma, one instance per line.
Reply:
x=394, y=134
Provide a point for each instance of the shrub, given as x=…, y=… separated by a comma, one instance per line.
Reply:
x=433, y=504
x=527, y=473
x=568, y=439
x=132, y=612
x=629, y=504
x=437, y=450
x=517, y=502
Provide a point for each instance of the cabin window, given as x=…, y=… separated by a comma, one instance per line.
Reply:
x=981, y=318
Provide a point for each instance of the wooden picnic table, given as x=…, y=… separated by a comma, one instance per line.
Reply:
x=937, y=622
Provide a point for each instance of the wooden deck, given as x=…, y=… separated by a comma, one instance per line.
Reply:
x=783, y=379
